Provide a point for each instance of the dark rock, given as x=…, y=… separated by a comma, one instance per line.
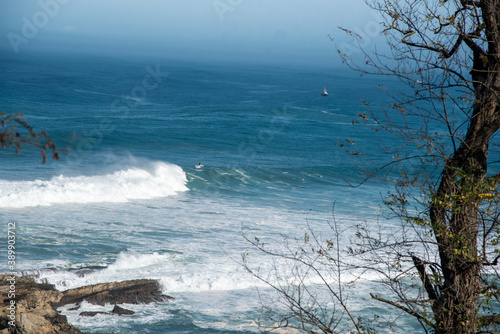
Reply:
x=77, y=307
x=116, y=310
x=81, y=272
x=91, y=314
x=121, y=311
x=126, y=292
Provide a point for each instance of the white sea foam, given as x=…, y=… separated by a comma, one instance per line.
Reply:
x=128, y=261
x=128, y=265
x=209, y=278
x=175, y=272
x=155, y=179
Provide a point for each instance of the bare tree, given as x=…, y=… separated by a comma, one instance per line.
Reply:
x=307, y=276
x=441, y=262
x=447, y=53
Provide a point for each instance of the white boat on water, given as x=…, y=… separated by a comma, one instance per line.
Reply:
x=324, y=92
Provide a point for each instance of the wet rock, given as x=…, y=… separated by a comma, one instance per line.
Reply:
x=121, y=311
x=126, y=292
x=91, y=314
x=75, y=308
x=117, y=310
x=83, y=271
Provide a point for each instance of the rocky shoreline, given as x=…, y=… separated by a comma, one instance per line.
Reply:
x=30, y=307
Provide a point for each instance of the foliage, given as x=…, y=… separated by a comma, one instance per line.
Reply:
x=441, y=265
x=447, y=53
x=15, y=131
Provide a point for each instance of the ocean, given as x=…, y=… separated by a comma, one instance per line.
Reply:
x=126, y=195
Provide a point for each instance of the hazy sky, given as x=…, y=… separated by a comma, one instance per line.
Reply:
x=274, y=31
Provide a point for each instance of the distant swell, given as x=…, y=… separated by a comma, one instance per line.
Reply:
x=157, y=179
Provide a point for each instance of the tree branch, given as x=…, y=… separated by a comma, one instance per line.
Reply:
x=429, y=288
x=489, y=320
x=405, y=309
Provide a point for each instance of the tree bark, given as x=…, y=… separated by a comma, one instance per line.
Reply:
x=455, y=306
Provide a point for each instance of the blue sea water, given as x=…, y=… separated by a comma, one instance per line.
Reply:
x=126, y=195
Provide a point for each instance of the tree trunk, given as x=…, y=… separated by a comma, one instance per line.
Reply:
x=456, y=234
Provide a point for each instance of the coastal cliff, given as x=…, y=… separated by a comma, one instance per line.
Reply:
x=29, y=307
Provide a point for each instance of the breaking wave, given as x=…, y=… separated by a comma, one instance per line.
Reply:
x=155, y=179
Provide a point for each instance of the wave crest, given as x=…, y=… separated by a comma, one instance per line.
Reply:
x=157, y=179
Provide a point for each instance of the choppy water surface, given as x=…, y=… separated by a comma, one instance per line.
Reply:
x=128, y=198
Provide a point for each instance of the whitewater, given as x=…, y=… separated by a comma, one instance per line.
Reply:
x=126, y=202
x=157, y=180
